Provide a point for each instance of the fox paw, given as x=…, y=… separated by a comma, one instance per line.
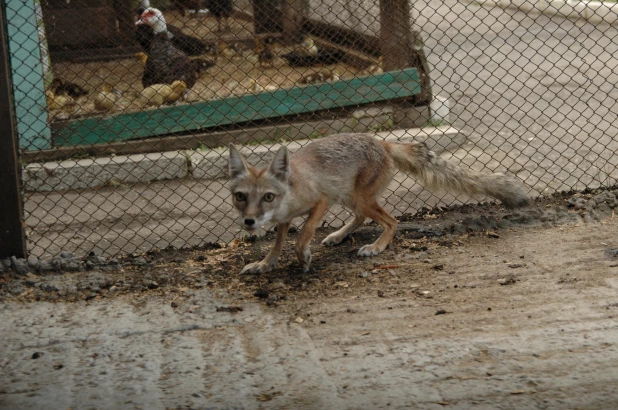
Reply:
x=369, y=250
x=304, y=257
x=256, y=267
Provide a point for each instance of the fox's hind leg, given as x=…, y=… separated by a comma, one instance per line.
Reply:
x=337, y=237
x=374, y=211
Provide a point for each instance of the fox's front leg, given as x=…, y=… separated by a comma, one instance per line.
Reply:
x=303, y=253
x=270, y=261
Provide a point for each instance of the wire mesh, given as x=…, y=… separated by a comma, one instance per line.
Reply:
x=123, y=128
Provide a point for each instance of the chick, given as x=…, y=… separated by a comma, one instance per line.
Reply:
x=142, y=58
x=253, y=58
x=58, y=101
x=372, y=69
x=59, y=87
x=243, y=49
x=255, y=86
x=321, y=76
x=159, y=94
x=226, y=50
x=306, y=48
x=202, y=64
x=107, y=98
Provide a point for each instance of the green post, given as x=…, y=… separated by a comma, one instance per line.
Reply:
x=28, y=70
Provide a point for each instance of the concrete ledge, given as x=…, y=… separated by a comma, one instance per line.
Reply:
x=210, y=164
x=593, y=11
x=214, y=164
x=90, y=173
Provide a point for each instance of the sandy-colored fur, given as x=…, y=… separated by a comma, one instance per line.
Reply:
x=351, y=170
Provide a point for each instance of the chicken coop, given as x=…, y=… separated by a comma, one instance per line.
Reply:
x=247, y=72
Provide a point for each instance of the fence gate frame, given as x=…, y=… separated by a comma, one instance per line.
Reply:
x=12, y=224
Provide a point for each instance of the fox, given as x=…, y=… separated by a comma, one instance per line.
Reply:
x=351, y=170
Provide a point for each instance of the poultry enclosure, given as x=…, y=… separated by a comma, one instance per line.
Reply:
x=237, y=87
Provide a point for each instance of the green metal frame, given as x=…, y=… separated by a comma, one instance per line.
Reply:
x=235, y=110
x=27, y=73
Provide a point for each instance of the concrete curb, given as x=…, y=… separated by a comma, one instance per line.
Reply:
x=91, y=173
x=214, y=164
x=209, y=165
x=592, y=11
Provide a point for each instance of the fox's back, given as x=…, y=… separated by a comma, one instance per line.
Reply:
x=342, y=165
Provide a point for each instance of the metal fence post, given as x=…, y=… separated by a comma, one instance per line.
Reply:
x=12, y=235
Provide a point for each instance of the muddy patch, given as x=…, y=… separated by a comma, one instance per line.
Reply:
x=419, y=248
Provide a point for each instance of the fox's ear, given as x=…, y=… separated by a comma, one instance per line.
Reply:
x=237, y=163
x=280, y=167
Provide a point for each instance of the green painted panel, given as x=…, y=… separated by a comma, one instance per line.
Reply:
x=268, y=104
x=27, y=72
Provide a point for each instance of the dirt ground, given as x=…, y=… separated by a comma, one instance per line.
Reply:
x=234, y=74
x=470, y=307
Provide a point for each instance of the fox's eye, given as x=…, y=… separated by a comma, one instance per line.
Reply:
x=240, y=197
x=269, y=197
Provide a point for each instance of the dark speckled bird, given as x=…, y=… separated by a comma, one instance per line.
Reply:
x=184, y=5
x=165, y=63
x=220, y=9
x=189, y=45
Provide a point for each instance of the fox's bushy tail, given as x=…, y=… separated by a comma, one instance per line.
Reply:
x=434, y=172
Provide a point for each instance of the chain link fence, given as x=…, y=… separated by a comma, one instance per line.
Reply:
x=123, y=128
